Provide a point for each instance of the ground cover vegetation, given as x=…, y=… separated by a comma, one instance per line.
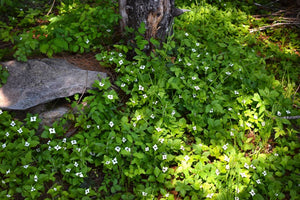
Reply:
x=209, y=115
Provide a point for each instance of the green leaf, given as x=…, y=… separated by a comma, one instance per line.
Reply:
x=156, y=171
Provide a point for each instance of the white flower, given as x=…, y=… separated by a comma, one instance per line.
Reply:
x=182, y=148
x=33, y=119
x=155, y=102
x=38, y=150
x=8, y=195
x=101, y=84
x=197, y=87
x=158, y=129
x=155, y=147
x=79, y=174
x=258, y=181
x=48, y=142
x=225, y=147
x=127, y=149
x=108, y=30
x=180, y=97
x=3, y=145
x=142, y=67
x=152, y=116
x=8, y=171
x=186, y=158
x=64, y=140
x=144, y=193
x=73, y=142
x=124, y=139
x=226, y=158
x=110, y=96
x=278, y=113
x=194, y=50
x=12, y=123
x=236, y=92
x=138, y=117
x=231, y=133
x=209, y=195
x=229, y=109
x=217, y=172
x=194, y=128
x=252, y=192
x=228, y=73
x=164, y=157
x=35, y=178
x=211, y=110
x=123, y=85
x=121, y=62
x=167, y=195
x=21, y=38
x=246, y=165
x=1, y=111
x=173, y=112
x=186, y=34
x=87, y=41
x=236, y=198
x=52, y=130
x=87, y=191
x=26, y=144
x=237, y=190
x=32, y=189
x=194, y=95
x=263, y=123
x=197, y=44
x=107, y=162
x=288, y=112
x=179, y=60
x=194, y=78
x=76, y=164
x=264, y=173
x=146, y=148
x=145, y=96
x=117, y=148
x=276, y=154
x=68, y=170
x=49, y=148
x=255, y=117
x=141, y=87
x=57, y=147
x=120, y=54
x=114, y=161
x=188, y=64
x=243, y=175
x=7, y=134
x=26, y=166
x=164, y=169
x=227, y=167
x=111, y=124
x=161, y=140
x=276, y=194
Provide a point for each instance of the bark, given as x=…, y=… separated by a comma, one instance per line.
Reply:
x=158, y=16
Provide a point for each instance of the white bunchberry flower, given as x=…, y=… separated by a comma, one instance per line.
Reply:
x=68, y=170
x=194, y=78
x=231, y=133
x=57, y=147
x=194, y=50
x=278, y=113
x=101, y=84
x=87, y=41
x=26, y=144
x=164, y=169
x=155, y=147
x=236, y=198
x=64, y=140
x=158, y=129
x=229, y=109
x=73, y=142
x=110, y=96
x=152, y=116
x=145, y=96
x=186, y=34
x=79, y=174
x=263, y=123
x=107, y=162
x=52, y=130
x=12, y=123
x=197, y=87
x=76, y=164
x=32, y=189
x=161, y=140
x=236, y=92
x=111, y=124
x=121, y=62
x=117, y=148
x=164, y=157
x=288, y=112
x=123, y=85
x=108, y=30
x=227, y=167
x=142, y=67
x=25, y=166
x=114, y=161
x=144, y=194
x=243, y=175
x=8, y=171
x=173, y=112
x=211, y=110
x=120, y=54
x=255, y=117
x=33, y=119
x=264, y=173
x=209, y=195
x=87, y=191
x=228, y=73
x=258, y=181
x=7, y=134
x=179, y=60
x=237, y=190
x=38, y=150
x=226, y=158
x=146, y=148
x=197, y=44
x=4, y=146
x=182, y=148
x=217, y=172
x=194, y=95
x=141, y=88
x=127, y=149
x=188, y=64
x=194, y=128
x=1, y=111
x=225, y=147
x=35, y=178
x=252, y=192
x=138, y=117
x=124, y=139
x=78, y=149
x=276, y=154
x=206, y=68
x=246, y=166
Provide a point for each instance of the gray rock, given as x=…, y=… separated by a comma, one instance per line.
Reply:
x=42, y=80
x=50, y=116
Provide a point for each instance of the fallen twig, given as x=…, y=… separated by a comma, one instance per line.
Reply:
x=273, y=25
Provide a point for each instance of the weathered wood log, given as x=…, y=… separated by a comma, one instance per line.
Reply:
x=157, y=15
